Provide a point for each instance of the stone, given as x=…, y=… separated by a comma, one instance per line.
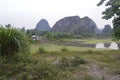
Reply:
x=107, y=30
x=43, y=25
x=76, y=25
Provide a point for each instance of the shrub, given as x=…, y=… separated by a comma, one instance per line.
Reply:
x=13, y=66
x=26, y=68
x=67, y=63
x=64, y=49
x=89, y=77
x=42, y=71
x=119, y=57
x=12, y=41
x=76, y=61
x=64, y=63
x=42, y=50
x=116, y=71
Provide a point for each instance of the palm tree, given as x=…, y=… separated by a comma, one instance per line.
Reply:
x=12, y=41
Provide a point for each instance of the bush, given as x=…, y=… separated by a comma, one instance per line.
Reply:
x=26, y=68
x=119, y=57
x=64, y=49
x=12, y=66
x=67, y=63
x=12, y=41
x=116, y=71
x=64, y=63
x=76, y=61
x=42, y=50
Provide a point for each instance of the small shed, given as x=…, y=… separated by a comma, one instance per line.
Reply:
x=35, y=37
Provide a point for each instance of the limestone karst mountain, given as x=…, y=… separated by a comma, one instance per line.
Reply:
x=76, y=25
x=107, y=30
x=42, y=25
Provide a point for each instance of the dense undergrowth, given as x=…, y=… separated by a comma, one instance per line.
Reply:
x=28, y=68
x=57, y=65
x=51, y=61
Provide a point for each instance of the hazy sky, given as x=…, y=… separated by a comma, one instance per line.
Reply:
x=27, y=13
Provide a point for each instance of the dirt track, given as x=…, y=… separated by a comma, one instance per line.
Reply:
x=102, y=74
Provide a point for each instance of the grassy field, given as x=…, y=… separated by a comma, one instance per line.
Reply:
x=55, y=62
x=103, y=59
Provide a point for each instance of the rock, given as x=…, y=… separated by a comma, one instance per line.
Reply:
x=107, y=30
x=76, y=25
x=66, y=24
x=42, y=25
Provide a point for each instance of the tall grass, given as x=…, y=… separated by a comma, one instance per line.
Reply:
x=12, y=41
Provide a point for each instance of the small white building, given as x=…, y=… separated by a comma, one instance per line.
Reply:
x=35, y=37
x=100, y=46
x=114, y=46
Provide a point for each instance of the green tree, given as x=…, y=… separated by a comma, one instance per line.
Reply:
x=23, y=29
x=112, y=11
x=8, y=25
x=12, y=41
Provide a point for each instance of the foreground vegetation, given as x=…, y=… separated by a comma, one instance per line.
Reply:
x=12, y=41
x=50, y=61
x=112, y=12
x=53, y=62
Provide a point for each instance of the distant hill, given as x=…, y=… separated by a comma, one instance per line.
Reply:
x=107, y=30
x=76, y=25
x=42, y=25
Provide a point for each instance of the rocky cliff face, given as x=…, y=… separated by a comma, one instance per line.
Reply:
x=42, y=25
x=107, y=30
x=76, y=25
x=66, y=24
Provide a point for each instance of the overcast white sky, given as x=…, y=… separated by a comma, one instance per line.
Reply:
x=27, y=13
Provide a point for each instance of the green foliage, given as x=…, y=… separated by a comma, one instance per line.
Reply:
x=48, y=35
x=113, y=10
x=44, y=71
x=12, y=66
x=88, y=77
x=58, y=35
x=8, y=25
x=42, y=50
x=116, y=24
x=30, y=32
x=77, y=61
x=27, y=69
x=54, y=35
x=116, y=71
x=64, y=49
x=68, y=63
x=12, y=41
x=69, y=67
x=64, y=63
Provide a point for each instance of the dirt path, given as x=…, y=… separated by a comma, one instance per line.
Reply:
x=102, y=74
